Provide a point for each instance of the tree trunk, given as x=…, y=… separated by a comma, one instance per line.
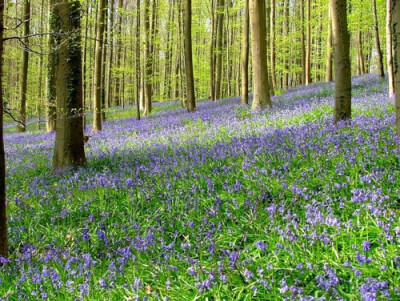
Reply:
x=245, y=56
x=69, y=145
x=148, y=59
x=117, y=96
x=286, y=52
x=97, y=107
x=308, y=49
x=389, y=47
x=23, y=81
x=111, y=56
x=138, y=71
x=342, y=60
x=220, y=27
x=396, y=45
x=51, y=114
x=190, y=95
x=258, y=18
x=212, y=53
x=3, y=202
x=361, y=65
x=378, y=42
x=328, y=76
x=272, y=45
x=303, y=46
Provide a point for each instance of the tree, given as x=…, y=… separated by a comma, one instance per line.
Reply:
x=328, y=76
x=308, y=48
x=220, y=27
x=23, y=81
x=342, y=60
x=3, y=203
x=69, y=144
x=51, y=111
x=389, y=47
x=98, y=67
x=377, y=41
x=396, y=44
x=261, y=98
x=138, y=71
x=190, y=101
x=245, y=56
x=148, y=59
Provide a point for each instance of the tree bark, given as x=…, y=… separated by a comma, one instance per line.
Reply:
x=378, y=42
x=258, y=19
x=245, y=56
x=272, y=45
x=286, y=52
x=97, y=107
x=51, y=114
x=308, y=49
x=148, y=59
x=396, y=45
x=220, y=28
x=111, y=57
x=342, y=60
x=3, y=202
x=190, y=95
x=138, y=71
x=328, y=76
x=23, y=81
x=361, y=65
x=69, y=144
x=303, y=46
x=389, y=47
x=117, y=96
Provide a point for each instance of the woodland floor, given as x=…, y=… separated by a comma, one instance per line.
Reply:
x=221, y=204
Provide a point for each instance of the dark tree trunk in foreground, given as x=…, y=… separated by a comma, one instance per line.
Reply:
x=262, y=98
x=23, y=76
x=138, y=71
x=69, y=146
x=396, y=45
x=190, y=101
x=342, y=60
x=3, y=203
x=245, y=56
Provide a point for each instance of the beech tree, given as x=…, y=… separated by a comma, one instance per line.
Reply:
x=396, y=45
x=98, y=68
x=3, y=203
x=258, y=18
x=342, y=60
x=190, y=94
x=69, y=144
x=245, y=56
x=389, y=47
x=23, y=76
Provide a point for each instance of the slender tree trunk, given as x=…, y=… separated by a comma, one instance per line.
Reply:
x=190, y=97
x=378, y=42
x=148, y=59
x=245, y=56
x=41, y=63
x=303, y=46
x=308, y=49
x=220, y=39
x=329, y=56
x=212, y=53
x=23, y=81
x=342, y=60
x=389, y=47
x=258, y=19
x=84, y=62
x=104, y=66
x=272, y=45
x=97, y=108
x=286, y=57
x=69, y=145
x=111, y=56
x=51, y=114
x=138, y=71
x=3, y=202
x=361, y=64
x=396, y=45
x=117, y=96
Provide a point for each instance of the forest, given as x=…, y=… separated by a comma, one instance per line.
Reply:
x=199, y=150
